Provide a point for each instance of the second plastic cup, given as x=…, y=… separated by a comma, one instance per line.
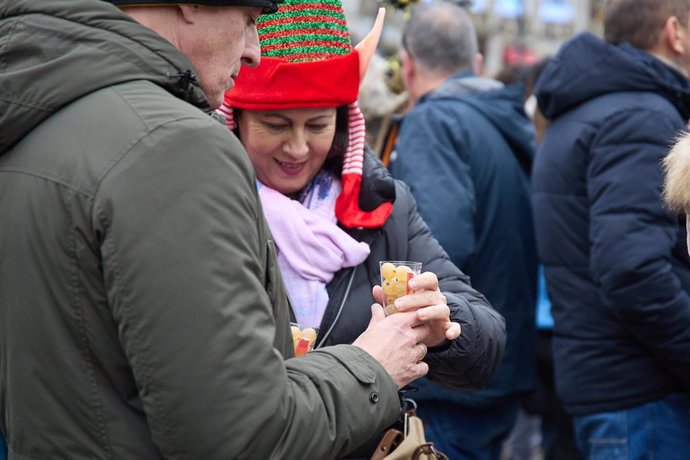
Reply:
x=394, y=277
x=303, y=338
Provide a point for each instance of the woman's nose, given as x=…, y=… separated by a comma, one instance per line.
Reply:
x=296, y=146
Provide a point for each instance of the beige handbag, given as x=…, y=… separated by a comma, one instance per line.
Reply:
x=395, y=445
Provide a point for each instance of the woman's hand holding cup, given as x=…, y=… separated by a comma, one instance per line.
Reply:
x=430, y=306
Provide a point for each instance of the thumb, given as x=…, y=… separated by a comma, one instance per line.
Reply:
x=377, y=292
x=377, y=313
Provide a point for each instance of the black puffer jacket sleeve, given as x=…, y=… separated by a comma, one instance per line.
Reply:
x=469, y=361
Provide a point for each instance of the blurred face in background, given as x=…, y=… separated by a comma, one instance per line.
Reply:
x=287, y=147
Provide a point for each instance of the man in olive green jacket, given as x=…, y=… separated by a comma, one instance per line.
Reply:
x=142, y=314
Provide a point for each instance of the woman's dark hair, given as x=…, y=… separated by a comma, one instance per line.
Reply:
x=334, y=159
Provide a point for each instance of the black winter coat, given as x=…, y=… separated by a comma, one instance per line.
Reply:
x=616, y=265
x=470, y=361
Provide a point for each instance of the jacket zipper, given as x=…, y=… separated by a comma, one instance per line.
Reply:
x=340, y=309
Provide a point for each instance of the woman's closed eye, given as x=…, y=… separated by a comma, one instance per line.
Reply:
x=275, y=126
x=317, y=127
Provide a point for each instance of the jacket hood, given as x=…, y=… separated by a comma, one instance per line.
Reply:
x=55, y=52
x=502, y=105
x=587, y=67
x=378, y=186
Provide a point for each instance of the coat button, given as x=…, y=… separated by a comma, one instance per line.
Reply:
x=374, y=397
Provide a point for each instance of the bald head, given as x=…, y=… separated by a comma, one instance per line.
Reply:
x=441, y=38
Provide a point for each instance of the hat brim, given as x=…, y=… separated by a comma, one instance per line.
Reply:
x=268, y=6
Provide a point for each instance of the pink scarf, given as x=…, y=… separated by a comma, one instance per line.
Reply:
x=311, y=247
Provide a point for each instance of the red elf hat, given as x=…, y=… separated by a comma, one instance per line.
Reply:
x=307, y=61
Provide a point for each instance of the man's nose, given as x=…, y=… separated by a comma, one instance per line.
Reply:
x=252, y=50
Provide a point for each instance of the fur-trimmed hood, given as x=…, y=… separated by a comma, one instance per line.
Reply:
x=677, y=175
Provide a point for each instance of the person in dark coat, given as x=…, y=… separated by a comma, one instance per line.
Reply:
x=466, y=150
x=616, y=267
x=323, y=194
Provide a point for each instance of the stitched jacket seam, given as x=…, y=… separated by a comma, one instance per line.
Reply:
x=84, y=347
x=124, y=291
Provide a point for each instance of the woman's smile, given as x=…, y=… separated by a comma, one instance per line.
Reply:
x=290, y=168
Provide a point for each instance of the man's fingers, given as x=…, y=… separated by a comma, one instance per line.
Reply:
x=420, y=332
x=420, y=369
x=422, y=351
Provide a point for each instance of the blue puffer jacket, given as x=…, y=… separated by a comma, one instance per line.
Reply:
x=617, y=269
x=465, y=151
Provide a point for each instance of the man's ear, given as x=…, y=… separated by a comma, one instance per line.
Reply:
x=478, y=65
x=367, y=47
x=408, y=68
x=407, y=63
x=674, y=34
x=188, y=12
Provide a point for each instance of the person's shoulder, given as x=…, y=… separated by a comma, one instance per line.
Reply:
x=154, y=105
x=633, y=110
x=432, y=112
x=145, y=118
x=157, y=109
x=421, y=110
x=404, y=200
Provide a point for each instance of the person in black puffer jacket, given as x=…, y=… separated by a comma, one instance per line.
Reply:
x=617, y=271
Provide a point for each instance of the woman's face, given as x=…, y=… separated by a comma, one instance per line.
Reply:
x=287, y=147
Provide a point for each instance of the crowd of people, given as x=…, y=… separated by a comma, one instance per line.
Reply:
x=179, y=182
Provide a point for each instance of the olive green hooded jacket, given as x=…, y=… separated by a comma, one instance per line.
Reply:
x=141, y=311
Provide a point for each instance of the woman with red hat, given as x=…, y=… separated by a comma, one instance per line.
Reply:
x=333, y=209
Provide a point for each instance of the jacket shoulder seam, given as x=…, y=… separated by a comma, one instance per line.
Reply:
x=50, y=178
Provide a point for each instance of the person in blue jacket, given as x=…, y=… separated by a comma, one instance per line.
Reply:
x=617, y=271
x=465, y=150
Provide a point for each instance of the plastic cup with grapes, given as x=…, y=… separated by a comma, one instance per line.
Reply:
x=395, y=275
x=303, y=338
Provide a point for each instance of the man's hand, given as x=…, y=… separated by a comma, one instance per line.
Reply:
x=430, y=307
x=397, y=342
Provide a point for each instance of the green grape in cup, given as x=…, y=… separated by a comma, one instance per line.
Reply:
x=394, y=281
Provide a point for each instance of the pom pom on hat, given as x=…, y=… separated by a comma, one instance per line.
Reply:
x=307, y=60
